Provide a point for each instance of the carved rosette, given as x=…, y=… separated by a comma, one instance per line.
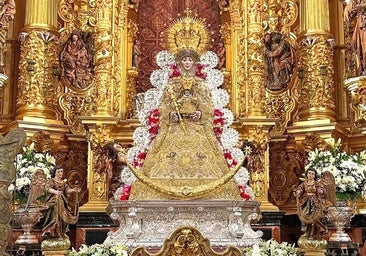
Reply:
x=36, y=87
x=315, y=90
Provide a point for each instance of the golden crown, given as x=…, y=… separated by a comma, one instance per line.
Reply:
x=188, y=33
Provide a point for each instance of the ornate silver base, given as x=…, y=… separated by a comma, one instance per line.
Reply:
x=27, y=218
x=340, y=215
x=149, y=223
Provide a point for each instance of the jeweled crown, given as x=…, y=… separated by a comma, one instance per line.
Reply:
x=188, y=33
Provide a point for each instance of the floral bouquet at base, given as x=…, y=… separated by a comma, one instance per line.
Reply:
x=100, y=250
x=349, y=170
x=272, y=247
x=26, y=164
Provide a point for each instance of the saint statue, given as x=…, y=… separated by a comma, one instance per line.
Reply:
x=186, y=148
x=77, y=61
x=279, y=61
x=355, y=9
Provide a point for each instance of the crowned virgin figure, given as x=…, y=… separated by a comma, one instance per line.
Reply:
x=186, y=148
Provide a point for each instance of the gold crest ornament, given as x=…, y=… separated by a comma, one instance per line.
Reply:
x=188, y=33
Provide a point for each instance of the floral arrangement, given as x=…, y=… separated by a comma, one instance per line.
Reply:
x=100, y=250
x=26, y=164
x=349, y=170
x=272, y=247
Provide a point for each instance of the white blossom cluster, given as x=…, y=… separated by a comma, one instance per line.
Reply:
x=26, y=164
x=272, y=247
x=348, y=170
x=100, y=250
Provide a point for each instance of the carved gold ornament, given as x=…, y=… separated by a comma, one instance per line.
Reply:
x=187, y=241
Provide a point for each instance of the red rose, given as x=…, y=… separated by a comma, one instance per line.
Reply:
x=125, y=192
x=218, y=112
x=200, y=71
x=243, y=193
x=153, y=129
x=217, y=130
x=174, y=72
x=228, y=155
x=219, y=121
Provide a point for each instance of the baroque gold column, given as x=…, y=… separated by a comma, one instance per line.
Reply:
x=316, y=95
x=248, y=89
x=38, y=60
x=103, y=83
x=255, y=96
x=109, y=92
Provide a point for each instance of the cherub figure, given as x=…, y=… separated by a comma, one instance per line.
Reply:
x=313, y=197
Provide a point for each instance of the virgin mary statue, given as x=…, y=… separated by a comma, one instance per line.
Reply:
x=186, y=148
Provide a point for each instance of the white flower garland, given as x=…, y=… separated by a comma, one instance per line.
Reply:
x=214, y=78
x=209, y=59
x=159, y=78
x=164, y=58
x=220, y=98
x=228, y=116
x=229, y=138
x=141, y=137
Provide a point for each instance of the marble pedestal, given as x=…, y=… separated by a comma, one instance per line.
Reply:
x=149, y=223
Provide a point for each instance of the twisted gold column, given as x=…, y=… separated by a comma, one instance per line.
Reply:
x=38, y=62
x=315, y=93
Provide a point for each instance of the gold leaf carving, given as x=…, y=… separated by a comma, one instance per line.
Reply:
x=74, y=106
x=187, y=241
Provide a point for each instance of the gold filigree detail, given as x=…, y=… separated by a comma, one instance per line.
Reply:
x=314, y=141
x=99, y=136
x=285, y=162
x=74, y=106
x=36, y=79
x=281, y=107
x=257, y=145
x=180, y=189
x=356, y=93
x=187, y=241
x=315, y=89
x=42, y=142
x=188, y=32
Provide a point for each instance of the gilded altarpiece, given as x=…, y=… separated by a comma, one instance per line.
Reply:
x=123, y=37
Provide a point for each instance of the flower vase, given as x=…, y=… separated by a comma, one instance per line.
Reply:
x=340, y=215
x=27, y=218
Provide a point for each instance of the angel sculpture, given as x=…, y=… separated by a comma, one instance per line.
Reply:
x=57, y=210
x=313, y=197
